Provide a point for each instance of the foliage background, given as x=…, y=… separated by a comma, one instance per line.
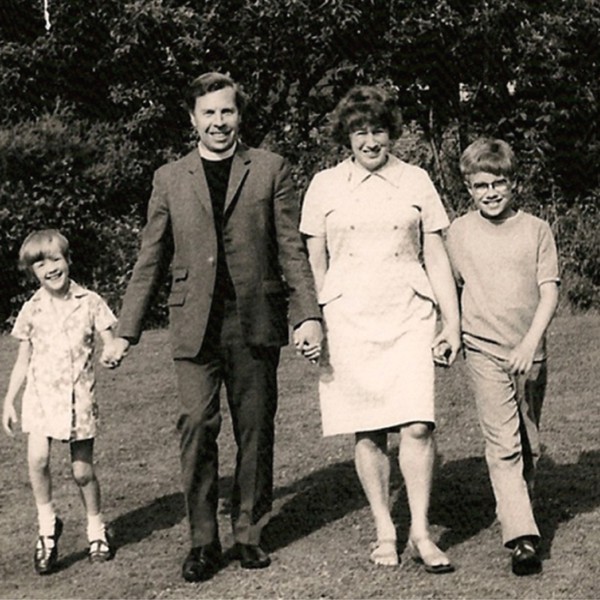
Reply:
x=92, y=105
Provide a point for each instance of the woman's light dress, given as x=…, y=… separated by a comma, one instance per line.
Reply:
x=378, y=305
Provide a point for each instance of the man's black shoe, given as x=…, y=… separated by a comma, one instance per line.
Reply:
x=525, y=559
x=252, y=557
x=46, y=550
x=202, y=562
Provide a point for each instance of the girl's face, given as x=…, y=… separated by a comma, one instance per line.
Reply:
x=370, y=146
x=52, y=271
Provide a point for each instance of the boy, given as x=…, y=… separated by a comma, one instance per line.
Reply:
x=505, y=260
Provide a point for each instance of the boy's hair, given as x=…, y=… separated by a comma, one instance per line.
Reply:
x=40, y=244
x=488, y=155
x=365, y=105
x=213, y=82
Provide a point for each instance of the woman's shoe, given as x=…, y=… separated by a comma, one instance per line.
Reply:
x=434, y=561
x=384, y=553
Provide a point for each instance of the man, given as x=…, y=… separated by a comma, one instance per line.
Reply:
x=230, y=214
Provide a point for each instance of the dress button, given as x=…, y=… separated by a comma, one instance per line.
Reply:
x=351, y=226
x=211, y=260
x=395, y=226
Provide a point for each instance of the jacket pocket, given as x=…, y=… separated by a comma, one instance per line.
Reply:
x=176, y=298
x=179, y=274
x=178, y=287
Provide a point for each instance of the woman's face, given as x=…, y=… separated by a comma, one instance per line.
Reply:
x=370, y=146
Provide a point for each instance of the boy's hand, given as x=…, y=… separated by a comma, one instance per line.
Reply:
x=520, y=359
x=9, y=418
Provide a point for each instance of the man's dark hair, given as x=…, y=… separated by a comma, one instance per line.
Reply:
x=212, y=82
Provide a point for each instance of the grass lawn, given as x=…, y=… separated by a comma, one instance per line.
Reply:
x=321, y=528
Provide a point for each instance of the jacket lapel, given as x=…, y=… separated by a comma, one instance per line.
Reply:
x=193, y=166
x=239, y=170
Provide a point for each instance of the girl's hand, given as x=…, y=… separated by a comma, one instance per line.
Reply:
x=9, y=418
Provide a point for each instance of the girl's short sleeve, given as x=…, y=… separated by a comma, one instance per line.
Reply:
x=23, y=324
x=104, y=318
x=312, y=221
x=433, y=213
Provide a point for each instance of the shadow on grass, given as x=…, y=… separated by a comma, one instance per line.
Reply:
x=564, y=491
x=318, y=499
x=162, y=513
x=462, y=502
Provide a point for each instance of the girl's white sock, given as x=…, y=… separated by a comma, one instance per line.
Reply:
x=46, y=519
x=95, y=527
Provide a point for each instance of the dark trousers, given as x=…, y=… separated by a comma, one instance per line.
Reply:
x=249, y=375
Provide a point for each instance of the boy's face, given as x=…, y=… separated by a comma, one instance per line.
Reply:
x=492, y=194
x=52, y=271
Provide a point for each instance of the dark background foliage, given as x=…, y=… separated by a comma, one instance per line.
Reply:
x=92, y=105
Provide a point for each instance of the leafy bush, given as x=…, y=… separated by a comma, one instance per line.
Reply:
x=87, y=180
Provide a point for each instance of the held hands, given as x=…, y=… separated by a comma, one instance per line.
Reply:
x=307, y=339
x=9, y=418
x=445, y=346
x=114, y=352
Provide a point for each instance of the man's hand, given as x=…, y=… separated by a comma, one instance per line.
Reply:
x=114, y=352
x=307, y=339
x=9, y=418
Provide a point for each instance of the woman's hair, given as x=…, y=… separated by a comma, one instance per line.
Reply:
x=365, y=105
x=41, y=244
x=488, y=155
x=212, y=82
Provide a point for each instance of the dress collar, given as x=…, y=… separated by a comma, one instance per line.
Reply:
x=75, y=291
x=391, y=171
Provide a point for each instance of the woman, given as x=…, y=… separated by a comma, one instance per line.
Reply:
x=367, y=221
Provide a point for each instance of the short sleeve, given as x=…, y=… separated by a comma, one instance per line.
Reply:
x=433, y=213
x=104, y=318
x=453, y=248
x=23, y=324
x=312, y=220
x=547, y=264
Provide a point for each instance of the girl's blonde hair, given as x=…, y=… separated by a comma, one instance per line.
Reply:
x=41, y=244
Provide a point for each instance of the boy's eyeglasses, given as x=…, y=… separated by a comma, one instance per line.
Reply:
x=500, y=185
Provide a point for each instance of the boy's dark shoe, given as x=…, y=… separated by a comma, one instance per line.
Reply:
x=252, y=556
x=46, y=555
x=525, y=559
x=202, y=562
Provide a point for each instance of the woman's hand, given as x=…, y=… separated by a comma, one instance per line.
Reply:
x=445, y=346
x=307, y=339
x=9, y=418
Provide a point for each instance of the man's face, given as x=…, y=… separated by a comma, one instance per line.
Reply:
x=217, y=119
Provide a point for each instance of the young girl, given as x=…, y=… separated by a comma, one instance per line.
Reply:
x=57, y=333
